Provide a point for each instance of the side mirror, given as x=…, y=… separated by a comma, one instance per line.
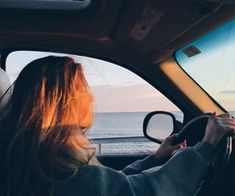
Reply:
x=158, y=125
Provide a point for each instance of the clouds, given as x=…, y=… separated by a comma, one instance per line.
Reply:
x=142, y=97
x=228, y=92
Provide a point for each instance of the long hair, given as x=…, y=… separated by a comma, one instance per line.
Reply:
x=42, y=134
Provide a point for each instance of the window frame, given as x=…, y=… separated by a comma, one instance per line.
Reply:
x=116, y=64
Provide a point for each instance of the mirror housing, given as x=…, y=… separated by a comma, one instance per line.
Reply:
x=160, y=124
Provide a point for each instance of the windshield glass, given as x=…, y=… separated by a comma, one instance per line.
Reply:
x=210, y=61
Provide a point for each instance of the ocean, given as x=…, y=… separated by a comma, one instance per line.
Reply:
x=121, y=124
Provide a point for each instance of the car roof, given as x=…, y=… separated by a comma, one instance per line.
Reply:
x=126, y=30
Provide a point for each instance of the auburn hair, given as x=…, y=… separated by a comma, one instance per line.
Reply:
x=43, y=133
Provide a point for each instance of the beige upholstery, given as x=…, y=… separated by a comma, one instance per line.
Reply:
x=5, y=83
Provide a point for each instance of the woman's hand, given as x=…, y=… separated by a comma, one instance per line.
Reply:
x=219, y=127
x=166, y=150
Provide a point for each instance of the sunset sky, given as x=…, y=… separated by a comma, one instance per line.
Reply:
x=115, y=89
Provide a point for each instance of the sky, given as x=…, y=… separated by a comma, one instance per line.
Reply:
x=214, y=67
x=115, y=89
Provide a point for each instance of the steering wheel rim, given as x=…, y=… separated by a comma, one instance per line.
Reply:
x=219, y=165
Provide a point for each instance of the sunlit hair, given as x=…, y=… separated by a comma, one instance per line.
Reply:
x=42, y=135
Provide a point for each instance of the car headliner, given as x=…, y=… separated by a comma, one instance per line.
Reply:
x=105, y=30
x=106, y=26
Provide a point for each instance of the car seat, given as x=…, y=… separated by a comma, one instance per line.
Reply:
x=5, y=83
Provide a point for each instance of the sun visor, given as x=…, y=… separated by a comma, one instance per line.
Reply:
x=46, y=4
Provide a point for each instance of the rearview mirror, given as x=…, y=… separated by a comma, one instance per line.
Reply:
x=158, y=125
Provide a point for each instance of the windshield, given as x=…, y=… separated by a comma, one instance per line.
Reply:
x=210, y=61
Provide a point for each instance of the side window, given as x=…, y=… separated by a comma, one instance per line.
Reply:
x=122, y=99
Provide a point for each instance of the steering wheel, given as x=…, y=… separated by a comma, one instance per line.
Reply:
x=193, y=132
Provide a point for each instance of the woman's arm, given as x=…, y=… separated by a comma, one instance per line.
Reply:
x=140, y=165
x=180, y=176
x=164, y=152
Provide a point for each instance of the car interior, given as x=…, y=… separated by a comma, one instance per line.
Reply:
x=141, y=36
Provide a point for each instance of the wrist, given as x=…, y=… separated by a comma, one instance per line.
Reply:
x=161, y=157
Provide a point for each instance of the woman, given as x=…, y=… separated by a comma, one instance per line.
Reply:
x=44, y=150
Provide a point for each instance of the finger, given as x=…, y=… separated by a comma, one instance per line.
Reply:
x=184, y=144
x=175, y=151
x=226, y=115
x=225, y=118
x=172, y=137
x=184, y=141
x=218, y=121
x=178, y=146
x=225, y=123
